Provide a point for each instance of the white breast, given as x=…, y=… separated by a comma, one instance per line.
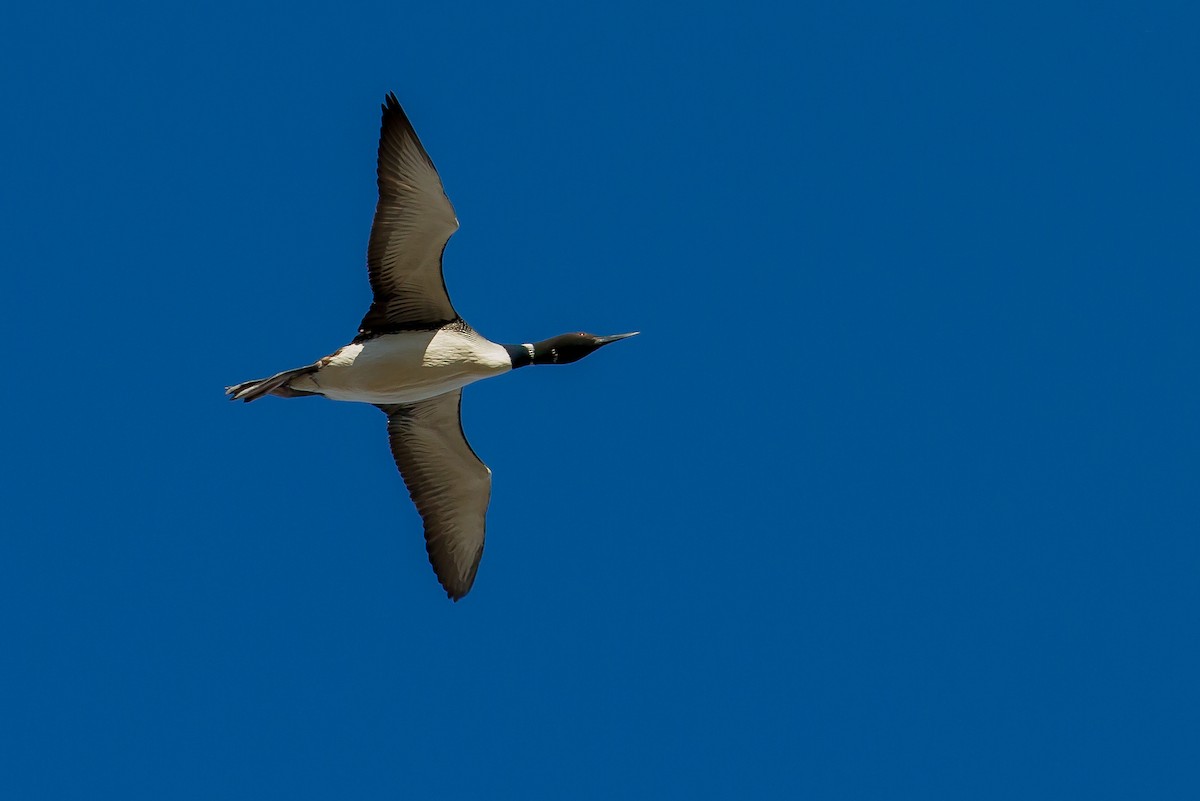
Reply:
x=407, y=367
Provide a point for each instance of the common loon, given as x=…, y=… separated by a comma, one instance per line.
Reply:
x=414, y=354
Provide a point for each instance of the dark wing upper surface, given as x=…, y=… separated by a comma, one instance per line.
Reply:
x=413, y=222
x=448, y=483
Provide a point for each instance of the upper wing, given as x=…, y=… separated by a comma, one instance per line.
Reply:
x=448, y=483
x=413, y=222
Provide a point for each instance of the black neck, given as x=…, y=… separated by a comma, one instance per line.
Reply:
x=520, y=355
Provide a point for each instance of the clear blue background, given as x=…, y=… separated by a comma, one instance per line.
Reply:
x=895, y=497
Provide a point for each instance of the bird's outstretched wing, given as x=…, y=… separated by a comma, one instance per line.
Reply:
x=448, y=483
x=413, y=222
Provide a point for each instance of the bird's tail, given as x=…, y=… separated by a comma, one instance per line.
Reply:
x=275, y=385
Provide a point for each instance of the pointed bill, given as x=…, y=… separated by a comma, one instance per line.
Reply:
x=617, y=337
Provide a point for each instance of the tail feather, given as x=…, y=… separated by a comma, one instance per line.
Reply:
x=275, y=385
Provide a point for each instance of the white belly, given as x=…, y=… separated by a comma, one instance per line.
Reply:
x=406, y=367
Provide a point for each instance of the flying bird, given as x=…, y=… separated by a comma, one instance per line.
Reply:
x=413, y=355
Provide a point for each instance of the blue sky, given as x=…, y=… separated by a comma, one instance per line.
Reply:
x=895, y=496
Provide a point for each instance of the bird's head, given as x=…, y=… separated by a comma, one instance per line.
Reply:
x=567, y=348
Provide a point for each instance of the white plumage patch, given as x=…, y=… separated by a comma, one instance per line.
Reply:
x=407, y=367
